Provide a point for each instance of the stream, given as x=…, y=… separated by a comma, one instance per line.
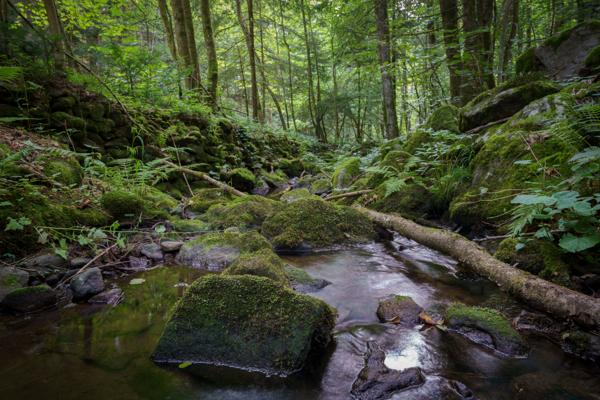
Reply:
x=99, y=352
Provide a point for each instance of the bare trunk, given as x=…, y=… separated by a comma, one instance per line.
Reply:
x=165, y=16
x=309, y=68
x=557, y=300
x=449, y=11
x=211, y=53
x=181, y=39
x=56, y=33
x=509, y=24
x=385, y=61
x=248, y=30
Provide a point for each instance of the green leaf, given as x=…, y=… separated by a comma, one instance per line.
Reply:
x=584, y=209
x=543, y=233
x=519, y=246
x=565, y=199
x=574, y=244
x=17, y=224
x=160, y=229
x=137, y=281
x=533, y=199
x=185, y=364
x=5, y=204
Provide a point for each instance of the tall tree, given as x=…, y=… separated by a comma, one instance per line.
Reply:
x=309, y=71
x=191, y=41
x=248, y=31
x=165, y=16
x=211, y=52
x=508, y=29
x=449, y=12
x=56, y=33
x=386, y=66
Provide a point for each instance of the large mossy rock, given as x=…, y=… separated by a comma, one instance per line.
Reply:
x=503, y=101
x=246, y=322
x=241, y=212
x=565, y=55
x=309, y=223
x=204, y=198
x=216, y=251
x=445, y=117
x=398, y=309
x=242, y=179
x=29, y=299
x=11, y=278
x=297, y=194
x=260, y=263
x=122, y=204
x=487, y=327
x=345, y=173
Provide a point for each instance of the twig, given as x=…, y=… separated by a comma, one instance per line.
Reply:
x=484, y=127
x=348, y=194
x=102, y=253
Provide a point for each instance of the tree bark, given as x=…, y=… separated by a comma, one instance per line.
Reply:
x=557, y=300
x=207, y=178
x=385, y=62
x=289, y=65
x=309, y=69
x=56, y=33
x=181, y=39
x=211, y=53
x=191, y=41
x=509, y=23
x=449, y=12
x=248, y=30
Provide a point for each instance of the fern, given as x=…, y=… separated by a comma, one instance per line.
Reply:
x=10, y=75
x=522, y=216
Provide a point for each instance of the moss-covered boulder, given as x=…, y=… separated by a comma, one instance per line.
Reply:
x=29, y=299
x=445, y=117
x=65, y=171
x=204, y=198
x=320, y=186
x=260, y=263
x=242, y=179
x=412, y=201
x=564, y=55
x=246, y=322
x=502, y=102
x=158, y=202
x=274, y=179
x=241, y=212
x=309, y=223
x=301, y=281
x=345, y=173
x=291, y=167
x=592, y=61
x=398, y=309
x=216, y=251
x=188, y=225
x=487, y=327
x=297, y=194
x=539, y=257
x=11, y=278
x=122, y=204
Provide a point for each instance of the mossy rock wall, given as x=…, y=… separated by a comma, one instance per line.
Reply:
x=246, y=322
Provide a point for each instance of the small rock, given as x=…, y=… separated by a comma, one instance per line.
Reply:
x=138, y=263
x=262, y=189
x=398, y=310
x=11, y=278
x=29, y=299
x=79, y=262
x=46, y=261
x=111, y=297
x=539, y=324
x=87, y=284
x=152, y=251
x=377, y=382
x=582, y=344
x=171, y=246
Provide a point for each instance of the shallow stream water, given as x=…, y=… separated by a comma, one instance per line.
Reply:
x=94, y=352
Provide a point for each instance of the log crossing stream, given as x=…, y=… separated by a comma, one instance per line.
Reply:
x=92, y=352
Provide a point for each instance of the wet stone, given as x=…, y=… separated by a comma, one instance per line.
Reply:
x=78, y=262
x=46, y=261
x=398, y=310
x=152, y=251
x=29, y=299
x=11, y=278
x=171, y=246
x=87, y=284
x=138, y=263
x=111, y=297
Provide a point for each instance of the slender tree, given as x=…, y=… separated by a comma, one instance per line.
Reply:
x=449, y=13
x=508, y=29
x=211, y=53
x=56, y=33
x=248, y=31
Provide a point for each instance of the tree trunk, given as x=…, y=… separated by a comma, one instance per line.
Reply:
x=509, y=23
x=181, y=39
x=248, y=30
x=449, y=11
x=56, y=33
x=557, y=300
x=309, y=68
x=211, y=53
x=165, y=16
x=385, y=61
x=289, y=65
x=243, y=75
x=191, y=40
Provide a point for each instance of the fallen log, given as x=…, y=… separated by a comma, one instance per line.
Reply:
x=207, y=178
x=554, y=299
x=348, y=194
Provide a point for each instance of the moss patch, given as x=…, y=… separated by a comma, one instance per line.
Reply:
x=592, y=61
x=204, y=198
x=297, y=194
x=490, y=320
x=242, y=179
x=345, y=173
x=123, y=205
x=316, y=223
x=67, y=172
x=445, y=117
x=242, y=212
x=291, y=167
x=261, y=263
x=246, y=322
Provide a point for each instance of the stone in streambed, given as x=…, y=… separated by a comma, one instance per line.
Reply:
x=11, y=278
x=111, y=297
x=302, y=282
x=259, y=263
x=378, y=382
x=152, y=251
x=78, y=262
x=87, y=284
x=486, y=327
x=29, y=299
x=398, y=309
x=246, y=322
x=170, y=246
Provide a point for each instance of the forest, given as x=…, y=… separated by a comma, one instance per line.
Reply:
x=300, y=199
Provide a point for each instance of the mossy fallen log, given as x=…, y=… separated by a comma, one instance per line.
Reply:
x=207, y=178
x=556, y=300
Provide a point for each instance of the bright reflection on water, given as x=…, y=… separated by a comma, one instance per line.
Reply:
x=93, y=353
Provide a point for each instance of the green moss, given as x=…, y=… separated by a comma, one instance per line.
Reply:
x=297, y=194
x=204, y=198
x=445, y=117
x=527, y=62
x=345, y=173
x=261, y=263
x=90, y=216
x=67, y=172
x=416, y=139
x=291, y=167
x=592, y=61
x=29, y=299
x=65, y=103
x=242, y=179
x=102, y=126
x=188, y=225
x=246, y=322
x=241, y=212
x=62, y=120
x=320, y=186
x=412, y=201
x=123, y=205
x=274, y=179
x=316, y=223
x=298, y=275
x=539, y=257
x=157, y=200
x=246, y=242
x=488, y=319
